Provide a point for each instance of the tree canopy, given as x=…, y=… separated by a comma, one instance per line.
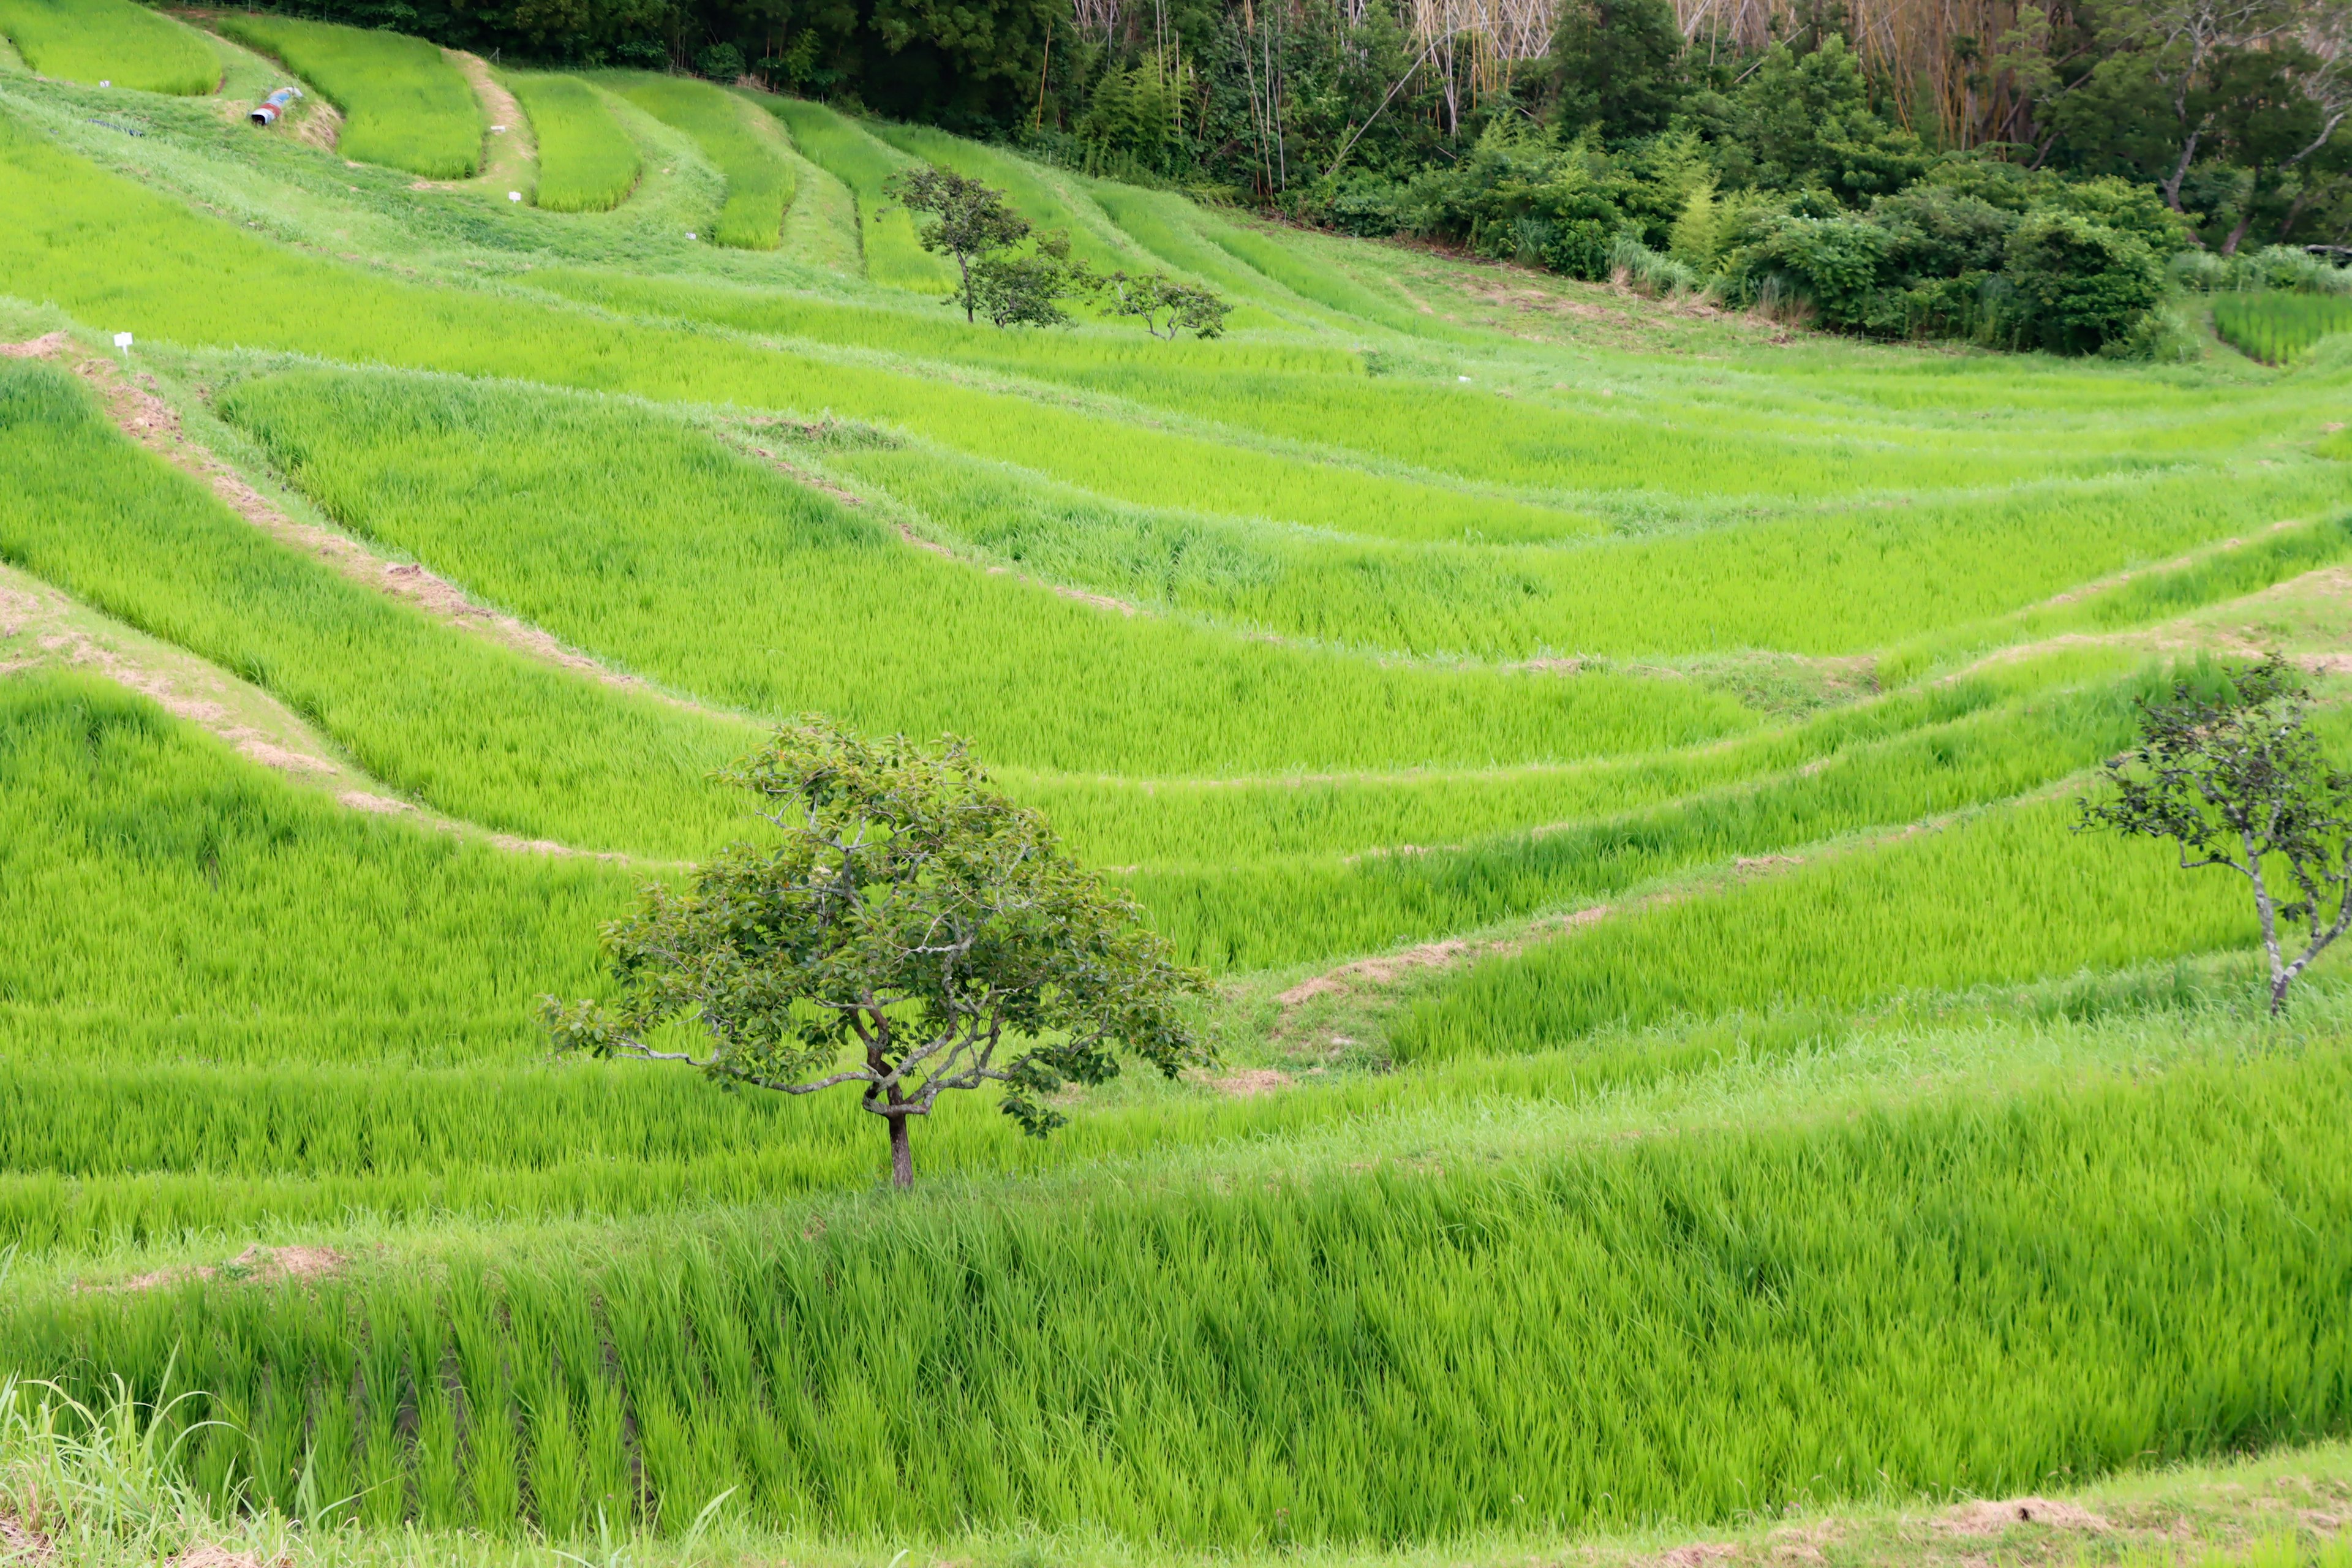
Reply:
x=909, y=930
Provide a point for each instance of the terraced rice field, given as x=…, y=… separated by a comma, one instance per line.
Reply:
x=112, y=42
x=405, y=105
x=1614, y=761
x=2278, y=327
x=587, y=163
x=739, y=141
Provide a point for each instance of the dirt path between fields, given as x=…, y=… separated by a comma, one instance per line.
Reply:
x=41, y=625
x=1383, y=970
x=154, y=425
x=510, y=152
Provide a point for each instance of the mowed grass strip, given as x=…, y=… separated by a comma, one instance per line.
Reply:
x=114, y=41
x=587, y=163
x=476, y=730
x=405, y=105
x=1968, y=1296
x=734, y=136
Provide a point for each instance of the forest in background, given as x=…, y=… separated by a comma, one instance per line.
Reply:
x=1992, y=169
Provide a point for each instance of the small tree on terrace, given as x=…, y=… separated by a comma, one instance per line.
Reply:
x=914, y=931
x=2240, y=780
x=1016, y=289
x=1166, y=307
x=968, y=221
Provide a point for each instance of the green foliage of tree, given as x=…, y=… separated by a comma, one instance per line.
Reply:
x=1617, y=65
x=1027, y=288
x=2084, y=283
x=963, y=219
x=1164, y=306
x=1804, y=122
x=910, y=931
x=2237, y=778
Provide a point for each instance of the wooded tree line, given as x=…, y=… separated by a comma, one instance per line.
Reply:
x=1990, y=169
x=2235, y=110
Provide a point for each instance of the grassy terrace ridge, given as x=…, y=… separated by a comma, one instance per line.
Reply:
x=1685, y=1093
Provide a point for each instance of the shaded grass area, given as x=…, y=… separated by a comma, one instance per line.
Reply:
x=587, y=163
x=113, y=41
x=405, y=105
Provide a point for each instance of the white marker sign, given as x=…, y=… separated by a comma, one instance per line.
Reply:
x=123, y=340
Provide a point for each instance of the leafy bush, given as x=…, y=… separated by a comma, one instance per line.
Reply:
x=2080, y=283
x=2003, y=257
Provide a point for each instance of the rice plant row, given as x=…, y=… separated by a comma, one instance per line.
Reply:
x=886, y=232
x=2129, y=1272
x=405, y=105
x=587, y=163
x=115, y=43
x=759, y=180
x=2277, y=327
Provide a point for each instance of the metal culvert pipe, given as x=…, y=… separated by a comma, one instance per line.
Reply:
x=270, y=108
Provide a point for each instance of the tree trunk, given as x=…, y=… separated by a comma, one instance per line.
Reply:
x=2171, y=186
x=902, y=1154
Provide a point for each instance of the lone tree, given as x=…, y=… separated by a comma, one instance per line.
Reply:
x=913, y=931
x=1015, y=288
x=967, y=220
x=1166, y=307
x=2240, y=780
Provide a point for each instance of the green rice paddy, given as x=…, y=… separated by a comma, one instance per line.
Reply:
x=405, y=105
x=587, y=162
x=1617, y=765
x=2275, y=327
x=112, y=42
x=741, y=142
